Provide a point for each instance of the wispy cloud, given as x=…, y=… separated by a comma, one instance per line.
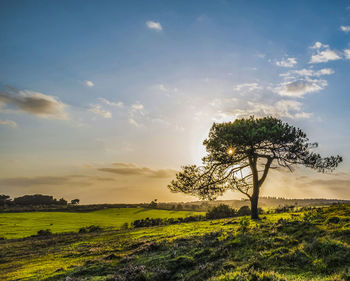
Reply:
x=38, y=104
x=282, y=108
x=89, y=83
x=81, y=180
x=288, y=62
x=347, y=54
x=300, y=87
x=154, y=25
x=97, y=109
x=115, y=104
x=249, y=87
x=136, y=110
x=128, y=169
x=323, y=53
x=345, y=28
x=307, y=73
x=9, y=123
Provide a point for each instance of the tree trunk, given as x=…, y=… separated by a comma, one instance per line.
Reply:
x=254, y=207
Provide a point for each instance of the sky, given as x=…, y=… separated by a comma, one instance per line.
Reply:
x=106, y=100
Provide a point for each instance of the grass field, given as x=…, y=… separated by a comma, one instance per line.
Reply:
x=18, y=225
x=281, y=247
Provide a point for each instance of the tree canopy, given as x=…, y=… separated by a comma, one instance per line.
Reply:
x=240, y=155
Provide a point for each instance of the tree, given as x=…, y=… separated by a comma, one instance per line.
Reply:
x=75, y=201
x=240, y=155
x=4, y=200
x=153, y=204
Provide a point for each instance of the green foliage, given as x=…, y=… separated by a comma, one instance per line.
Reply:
x=91, y=228
x=251, y=275
x=220, y=211
x=147, y=222
x=244, y=211
x=244, y=224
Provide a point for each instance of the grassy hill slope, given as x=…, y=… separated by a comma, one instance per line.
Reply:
x=18, y=225
x=302, y=246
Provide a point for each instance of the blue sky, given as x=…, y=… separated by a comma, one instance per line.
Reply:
x=103, y=100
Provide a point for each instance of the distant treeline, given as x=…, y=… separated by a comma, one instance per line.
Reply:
x=34, y=200
x=39, y=202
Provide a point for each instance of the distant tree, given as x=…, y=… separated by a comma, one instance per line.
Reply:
x=62, y=202
x=75, y=201
x=153, y=204
x=240, y=155
x=179, y=207
x=4, y=200
x=34, y=200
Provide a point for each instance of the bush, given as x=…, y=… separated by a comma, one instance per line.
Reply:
x=147, y=222
x=333, y=220
x=42, y=232
x=91, y=228
x=244, y=211
x=221, y=211
x=125, y=226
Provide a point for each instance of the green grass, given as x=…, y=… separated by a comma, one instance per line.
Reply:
x=313, y=246
x=18, y=225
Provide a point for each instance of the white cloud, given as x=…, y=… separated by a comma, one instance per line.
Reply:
x=249, y=87
x=89, y=83
x=307, y=73
x=38, y=104
x=319, y=45
x=346, y=28
x=300, y=87
x=97, y=109
x=115, y=104
x=154, y=25
x=136, y=112
x=239, y=108
x=323, y=53
x=324, y=71
x=9, y=123
x=347, y=54
x=289, y=62
x=137, y=106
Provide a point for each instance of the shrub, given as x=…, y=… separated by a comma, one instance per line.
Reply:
x=220, y=211
x=333, y=220
x=125, y=226
x=91, y=228
x=147, y=222
x=244, y=211
x=42, y=232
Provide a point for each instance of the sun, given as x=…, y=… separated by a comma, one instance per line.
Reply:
x=231, y=151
